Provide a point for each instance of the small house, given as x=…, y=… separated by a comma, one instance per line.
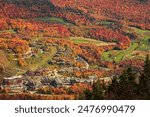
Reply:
x=14, y=83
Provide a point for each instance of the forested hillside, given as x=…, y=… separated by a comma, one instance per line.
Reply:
x=81, y=41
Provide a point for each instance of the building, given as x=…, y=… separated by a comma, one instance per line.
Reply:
x=14, y=83
x=56, y=82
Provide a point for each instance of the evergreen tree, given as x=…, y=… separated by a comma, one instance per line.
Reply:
x=128, y=87
x=147, y=68
x=87, y=94
x=112, y=92
x=98, y=91
x=144, y=86
x=124, y=86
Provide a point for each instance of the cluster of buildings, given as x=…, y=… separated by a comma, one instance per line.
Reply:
x=31, y=81
x=14, y=83
x=34, y=80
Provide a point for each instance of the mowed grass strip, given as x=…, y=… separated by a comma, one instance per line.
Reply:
x=51, y=19
x=8, y=31
x=118, y=55
x=82, y=40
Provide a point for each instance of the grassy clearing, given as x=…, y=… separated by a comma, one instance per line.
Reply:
x=51, y=19
x=82, y=40
x=8, y=31
x=3, y=61
x=118, y=55
x=138, y=45
x=139, y=31
x=144, y=43
x=93, y=66
x=145, y=37
x=8, y=69
x=55, y=19
x=41, y=60
x=38, y=62
x=137, y=54
x=37, y=38
x=109, y=55
x=105, y=23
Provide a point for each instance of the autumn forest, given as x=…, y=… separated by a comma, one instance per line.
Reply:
x=74, y=49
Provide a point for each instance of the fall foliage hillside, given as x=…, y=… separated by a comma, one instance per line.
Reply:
x=54, y=43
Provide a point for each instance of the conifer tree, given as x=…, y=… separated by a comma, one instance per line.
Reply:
x=128, y=87
x=98, y=91
x=112, y=91
x=123, y=87
x=144, y=86
x=87, y=94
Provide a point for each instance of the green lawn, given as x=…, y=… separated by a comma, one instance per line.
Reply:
x=8, y=31
x=93, y=66
x=82, y=40
x=41, y=60
x=145, y=37
x=108, y=56
x=144, y=43
x=51, y=19
x=37, y=38
x=119, y=55
x=105, y=23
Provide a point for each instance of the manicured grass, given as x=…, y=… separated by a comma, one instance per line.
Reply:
x=119, y=55
x=37, y=38
x=57, y=20
x=140, y=31
x=93, y=66
x=108, y=56
x=51, y=19
x=41, y=60
x=105, y=23
x=145, y=37
x=144, y=43
x=8, y=31
x=82, y=40
x=3, y=60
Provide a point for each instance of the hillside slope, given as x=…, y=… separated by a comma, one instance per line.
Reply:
x=52, y=33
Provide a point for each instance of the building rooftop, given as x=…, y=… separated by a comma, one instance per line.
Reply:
x=13, y=77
